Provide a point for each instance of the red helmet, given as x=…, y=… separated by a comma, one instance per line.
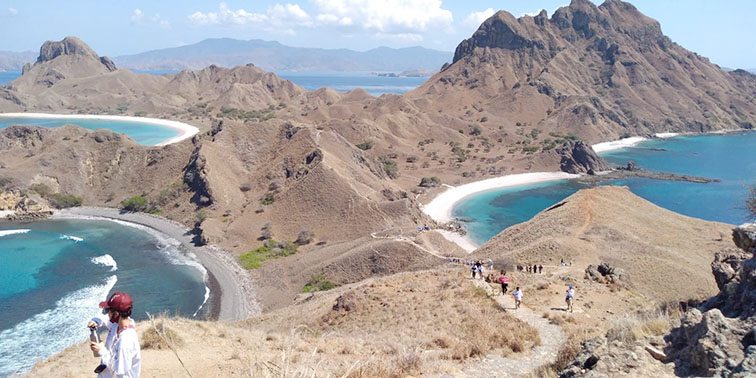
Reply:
x=118, y=301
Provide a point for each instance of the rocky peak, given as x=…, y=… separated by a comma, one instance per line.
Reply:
x=579, y=157
x=503, y=31
x=71, y=46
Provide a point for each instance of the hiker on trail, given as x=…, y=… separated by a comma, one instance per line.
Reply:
x=120, y=355
x=473, y=270
x=517, y=297
x=570, y=297
x=540, y=269
x=535, y=268
x=490, y=264
x=504, y=281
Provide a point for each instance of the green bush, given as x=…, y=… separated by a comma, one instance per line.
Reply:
x=430, y=181
x=62, y=201
x=134, y=204
x=476, y=130
x=200, y=216
x=530, y=149
x=366, y=145
x=5, y=182
x=318, y=282
x=625, y=136
x=270, y=250
x=268, y=199
x=390, y=167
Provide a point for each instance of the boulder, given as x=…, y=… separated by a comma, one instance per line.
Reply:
x=744, y=237
x=579, y=157
x=726, y=266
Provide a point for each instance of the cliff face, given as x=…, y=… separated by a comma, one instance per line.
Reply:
x=594, y=71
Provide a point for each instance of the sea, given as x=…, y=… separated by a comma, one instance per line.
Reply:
x=309, y=80
x=55, y=272
x=730, y=158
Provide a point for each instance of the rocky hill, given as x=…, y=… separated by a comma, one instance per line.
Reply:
x=596, y=71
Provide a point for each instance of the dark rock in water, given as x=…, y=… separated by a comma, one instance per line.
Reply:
x=579, y=157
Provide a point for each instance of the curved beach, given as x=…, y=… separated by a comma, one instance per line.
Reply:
x=440, y=208
x=232, y=294
x=186, y=131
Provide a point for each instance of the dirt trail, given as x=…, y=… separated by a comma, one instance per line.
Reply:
x=552, y=339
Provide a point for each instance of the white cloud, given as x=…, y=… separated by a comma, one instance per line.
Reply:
x=12, y=11
x=385, y=16
x=476, y=18
x=276, y=15
x=137, y=15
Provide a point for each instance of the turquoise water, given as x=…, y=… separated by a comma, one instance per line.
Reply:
x=55, y=272
x=8, y=76
x=143, y=133
x=730, y=158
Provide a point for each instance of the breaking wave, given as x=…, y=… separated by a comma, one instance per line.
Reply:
x=106, y=260
x=12, y=232
x=51, y=331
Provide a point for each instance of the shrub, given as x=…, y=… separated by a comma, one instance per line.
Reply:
x=318, y=282
x=390, y=167
x=5, y=182
x=476, y=130
x=267, y=199
x=530, y=149
x=158, y=336
x=304, y=237
x=199, y=216
x=625, y=135
x=428, y=182
x=134, y=204
x=62, y=201
x=270, y=250
x=366, y=145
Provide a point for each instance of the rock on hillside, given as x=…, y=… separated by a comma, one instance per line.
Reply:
x=611, y=225
x=595, y=71
x=719, y=338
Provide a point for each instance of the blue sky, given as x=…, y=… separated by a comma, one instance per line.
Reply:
x=721, y=30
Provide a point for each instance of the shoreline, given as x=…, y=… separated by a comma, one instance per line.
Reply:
x=186, y=131
x=231, y=287
x=439, y=209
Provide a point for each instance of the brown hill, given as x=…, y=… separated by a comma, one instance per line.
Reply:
x=664, y=256
x=597, y=72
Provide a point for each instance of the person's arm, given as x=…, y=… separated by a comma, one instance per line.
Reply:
x=99, y=321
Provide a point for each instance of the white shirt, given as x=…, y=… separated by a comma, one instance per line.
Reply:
x=121, y=355
x=518, y=295
x=570, y=293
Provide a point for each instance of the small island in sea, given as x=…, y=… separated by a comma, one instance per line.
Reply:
x=312, y=232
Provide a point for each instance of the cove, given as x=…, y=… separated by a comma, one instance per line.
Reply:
x=145, y=131
x=730, y=158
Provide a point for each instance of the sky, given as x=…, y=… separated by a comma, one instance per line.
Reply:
x=720, y=30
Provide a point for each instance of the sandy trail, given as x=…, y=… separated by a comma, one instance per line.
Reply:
x=229, y=283
x=552, y=339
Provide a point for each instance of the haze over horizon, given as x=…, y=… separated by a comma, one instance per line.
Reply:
x=717, y=30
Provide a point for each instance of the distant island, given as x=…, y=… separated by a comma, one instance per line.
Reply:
x=408, y=73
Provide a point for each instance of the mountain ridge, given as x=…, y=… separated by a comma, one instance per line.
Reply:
x=272, y=55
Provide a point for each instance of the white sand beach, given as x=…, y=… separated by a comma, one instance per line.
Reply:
x=440, y=207
x=666, y=135
x=617, y=144
x=187, y=131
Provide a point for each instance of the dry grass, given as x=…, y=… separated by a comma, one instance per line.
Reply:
x=159, y=336
x=637, y=326
x=560, y=319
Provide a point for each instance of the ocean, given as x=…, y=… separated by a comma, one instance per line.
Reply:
x=339, y=81
x=730, y=158
x=55, y=273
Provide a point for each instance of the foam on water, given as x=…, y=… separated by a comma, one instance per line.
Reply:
x=12, y=232
x=51, y=331
x=207, y=296
x=106, y=260
x=69, y=237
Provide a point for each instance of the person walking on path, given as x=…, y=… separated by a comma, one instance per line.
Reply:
x=517, y=297
x=570, y=297
x=540, y=269
x=504, y=281
x=120, y=354
x=473, y=270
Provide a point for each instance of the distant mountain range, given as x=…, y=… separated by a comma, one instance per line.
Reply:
x=14, y=61
x=273, y=56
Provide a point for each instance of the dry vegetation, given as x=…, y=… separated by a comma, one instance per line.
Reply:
x=395, y=326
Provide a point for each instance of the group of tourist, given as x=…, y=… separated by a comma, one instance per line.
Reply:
x=530, y=269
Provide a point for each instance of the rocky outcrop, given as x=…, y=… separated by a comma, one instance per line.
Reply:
x=606, y=273
x=19, y=206
x=579, y=157
x=68, y=46
x=719, y=338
